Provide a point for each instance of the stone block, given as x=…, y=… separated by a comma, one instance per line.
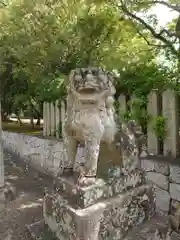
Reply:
x=162, y=168
x=102, y=189
x=175, y=173
x=175, y=191
x=158, y=179
x=147, y=165
x=162, y=200
x=108, y=219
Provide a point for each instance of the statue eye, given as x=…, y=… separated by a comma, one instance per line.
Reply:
x=86, y=72
x=93, y=72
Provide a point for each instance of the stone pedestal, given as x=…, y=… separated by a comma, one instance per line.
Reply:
x=107, y=209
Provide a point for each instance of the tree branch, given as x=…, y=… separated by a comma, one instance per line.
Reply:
x=1, y=2
x=156, y=35
x=169, y=34
x=148, y=42
x=173, y=7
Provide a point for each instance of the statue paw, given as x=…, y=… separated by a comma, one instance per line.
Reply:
x=86, y=181
x=83, y=178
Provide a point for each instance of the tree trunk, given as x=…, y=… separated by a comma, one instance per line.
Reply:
x=19, y=120
x=38, y=121
x=4, y=117
x=32, y=122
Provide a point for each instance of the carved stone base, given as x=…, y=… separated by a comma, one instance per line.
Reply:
x=69, y=223
x=105, y=218
x=81, y=197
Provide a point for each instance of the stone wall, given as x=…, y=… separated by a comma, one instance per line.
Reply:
x=44, y=154
x=166, y=177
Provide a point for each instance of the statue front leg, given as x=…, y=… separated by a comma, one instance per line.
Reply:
x=89, y=171
x=71, y=149
x=92, y=148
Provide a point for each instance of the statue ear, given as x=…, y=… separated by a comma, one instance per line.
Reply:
x=112, y=89
x=71, y=76
x=71, y=80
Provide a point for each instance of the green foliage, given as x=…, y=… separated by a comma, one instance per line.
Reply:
x=127, y=116
x=139, y=112
x=158, y=126
x=41, y=41
x=59, y=130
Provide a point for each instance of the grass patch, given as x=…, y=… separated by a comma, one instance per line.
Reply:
x=25, y=128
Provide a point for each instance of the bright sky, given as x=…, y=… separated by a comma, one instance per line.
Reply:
x=164, y=14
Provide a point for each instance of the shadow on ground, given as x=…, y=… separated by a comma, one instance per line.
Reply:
x=24, y=199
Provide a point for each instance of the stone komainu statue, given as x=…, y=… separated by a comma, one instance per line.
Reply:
x=90, y=115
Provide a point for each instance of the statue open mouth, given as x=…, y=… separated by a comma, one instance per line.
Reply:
x=87, y=90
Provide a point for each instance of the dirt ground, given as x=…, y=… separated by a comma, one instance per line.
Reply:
x=26, y=207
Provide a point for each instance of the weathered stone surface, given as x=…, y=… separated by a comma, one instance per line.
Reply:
x=82, y=196
x=162, y=200
x=69, y=223
x=175, y=191
x=175, y=205
x=112, y=217
x=148, y=229
x=162, y=168
x=44, y=154
x=36, y=231
x=158, y=179
x=175, y=173
x=147, y=165
x=127, y=211
x=85, y=196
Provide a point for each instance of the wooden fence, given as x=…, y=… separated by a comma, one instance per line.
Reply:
x=165, y=105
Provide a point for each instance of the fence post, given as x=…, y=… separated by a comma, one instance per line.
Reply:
x=48, y=118
x=44, y=119
x=170, y=113
x=152, y=110
x=123, y=105
x=58, y=119
x=63, y=114
x=52, y=116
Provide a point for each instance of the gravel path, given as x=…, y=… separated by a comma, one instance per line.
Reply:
x=26, y=206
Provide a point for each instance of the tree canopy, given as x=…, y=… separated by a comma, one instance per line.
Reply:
x=41, y=41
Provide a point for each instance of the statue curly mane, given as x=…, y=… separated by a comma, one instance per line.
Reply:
x=90, y=98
